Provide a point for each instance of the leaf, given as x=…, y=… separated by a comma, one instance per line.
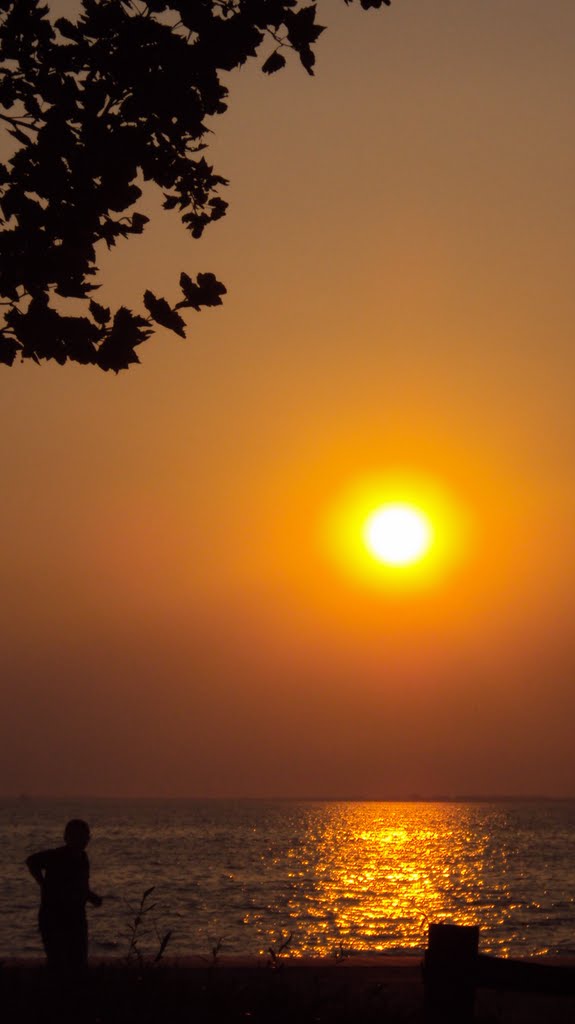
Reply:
x=75, y=289
x=128, y=328
x=163, y=314
x=68, y=29
x=274, y=63
x=101, y=314
x=307, y=57
x=117, y=350
x=8, y=349
x=119, y=195
x=191, y=292
x=218, y=207
x=211, y=289
x=207, y=292
x=138, y=221
x=302, y=30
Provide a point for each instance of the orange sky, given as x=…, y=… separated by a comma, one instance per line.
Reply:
x=399, y=259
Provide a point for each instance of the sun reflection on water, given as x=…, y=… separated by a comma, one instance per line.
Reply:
x=338, y=876
x=372, y=876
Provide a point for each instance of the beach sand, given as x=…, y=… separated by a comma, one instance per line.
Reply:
x=353, y=990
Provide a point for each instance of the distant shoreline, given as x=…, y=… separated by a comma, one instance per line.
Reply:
x=416, y=798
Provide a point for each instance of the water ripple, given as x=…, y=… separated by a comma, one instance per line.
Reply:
x=359, y=876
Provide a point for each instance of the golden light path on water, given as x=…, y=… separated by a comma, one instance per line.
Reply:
x=339, y=877
x=373, y=876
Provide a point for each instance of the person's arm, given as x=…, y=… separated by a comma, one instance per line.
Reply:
x=92, y=897
x=36, y=864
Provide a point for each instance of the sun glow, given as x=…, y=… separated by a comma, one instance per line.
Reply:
x=399, y=529
x=398, y=534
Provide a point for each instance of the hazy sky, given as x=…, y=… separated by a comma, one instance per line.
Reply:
x=399, y=256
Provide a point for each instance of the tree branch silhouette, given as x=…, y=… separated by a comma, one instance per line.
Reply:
x=96, y=106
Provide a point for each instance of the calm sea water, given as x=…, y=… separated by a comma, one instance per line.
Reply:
x=337, y=876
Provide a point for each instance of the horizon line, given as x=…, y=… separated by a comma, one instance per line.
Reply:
x=358, y=798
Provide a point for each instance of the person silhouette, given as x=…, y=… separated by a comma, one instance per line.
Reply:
x=63, y=875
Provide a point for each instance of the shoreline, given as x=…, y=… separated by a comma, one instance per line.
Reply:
x=189, y=961
x=262, y=989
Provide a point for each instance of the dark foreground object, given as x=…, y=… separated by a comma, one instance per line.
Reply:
x=228, y=992
x=355, y=990
x=454, y=973
x=450, y=973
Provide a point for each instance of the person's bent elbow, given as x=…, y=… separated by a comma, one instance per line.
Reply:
x=34, y=868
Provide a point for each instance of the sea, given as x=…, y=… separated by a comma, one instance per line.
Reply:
x=330, y=878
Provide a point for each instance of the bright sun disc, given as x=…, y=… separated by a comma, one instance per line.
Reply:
x=398, y=534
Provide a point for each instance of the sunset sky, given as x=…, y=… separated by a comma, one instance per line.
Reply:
x=186, y=607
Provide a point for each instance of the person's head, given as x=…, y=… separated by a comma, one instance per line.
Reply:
x=77, y=834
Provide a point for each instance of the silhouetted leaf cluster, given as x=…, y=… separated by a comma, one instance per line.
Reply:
x=97, y=106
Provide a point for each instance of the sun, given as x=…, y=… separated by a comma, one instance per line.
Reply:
x=398, y=534
x=396, y=531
